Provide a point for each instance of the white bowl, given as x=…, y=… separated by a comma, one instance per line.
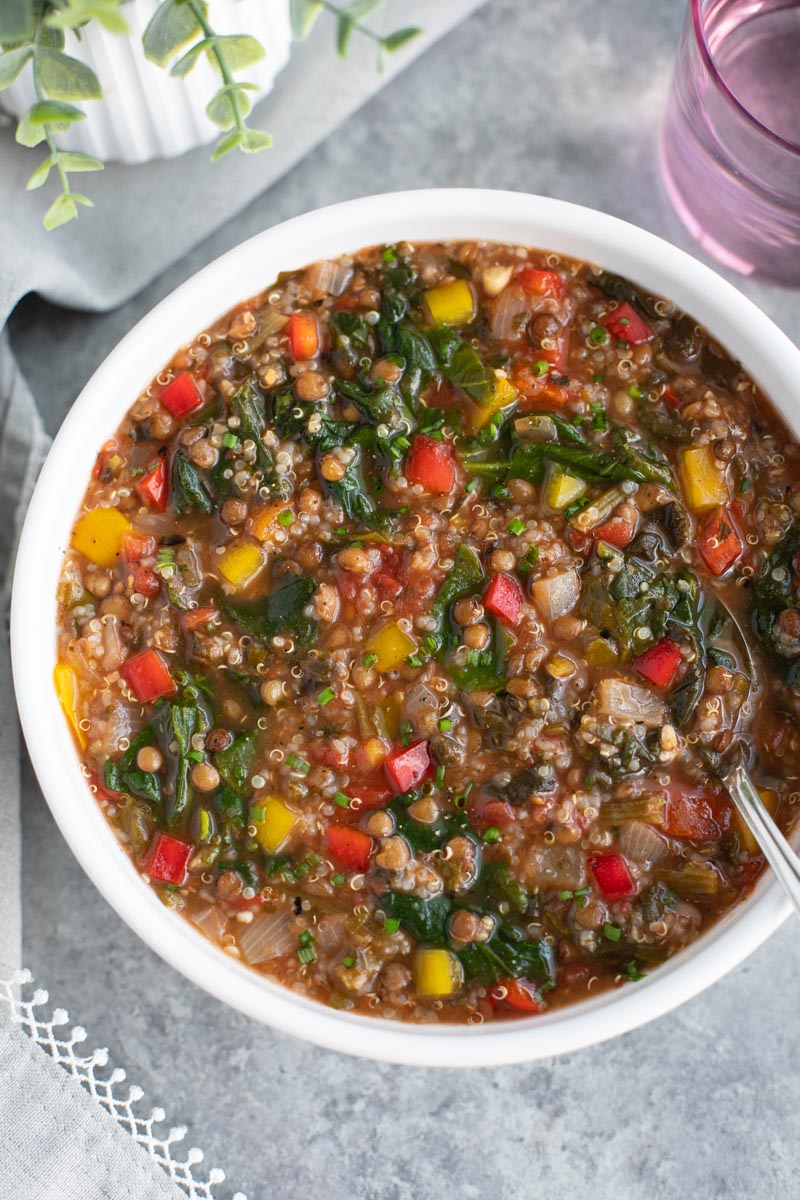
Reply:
x=413, y=216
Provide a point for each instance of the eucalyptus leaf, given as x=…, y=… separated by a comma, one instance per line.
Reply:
x=253, y=141
x=11, y=63
x=303, y=14
x=66, y=78
x=360, y=9
x=41, y=173
x=221, y=107
x=239, y=50
x=74, y=161
x=63, y=209
x=400, y=37
x=17, y=21
x=76, y=13
x=171, y=27
x=231, y=141
x=344, y=31
x=55, y=114
x=184, y=65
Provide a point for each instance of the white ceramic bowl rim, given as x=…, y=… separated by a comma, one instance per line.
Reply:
x=244, y=271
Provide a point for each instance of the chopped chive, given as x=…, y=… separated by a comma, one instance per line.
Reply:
x=257, y=813
x=230, y=441
x=612, y=932
x=621, y=345
x=527, y=563
x=599, y=421
x=598, y=379
x=391, y=925
x=286, y=517
x=338, y=879
x=370, y=660
x=389, y=255
x=633, y=972
x=598, y=335
x=349, y=961
x=342, y=800
x=744, y=486
x=634, y=391
x=440, y=774
x=305, y=948
x=473, y=483
x=565, y=895
x=580, y=896
x=576, y=506
x=406, y=732
x=516, y=527
x=413, y=660
x=325, y=696
x=624, y=321
x=445, y=724
x=298, y=764
x=491, y=835
x=429, y=643
x=341, y=530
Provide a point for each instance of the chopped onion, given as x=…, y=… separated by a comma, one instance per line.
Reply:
x=629, y=701
x=272, y=321
x=555, y=595
x=269, y=936
x=556, y=867
x=329, y=278
x=211, y=921
x=510, y=314
x=641, y=842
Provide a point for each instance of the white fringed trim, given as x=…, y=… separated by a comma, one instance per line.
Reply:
x=103, y=1086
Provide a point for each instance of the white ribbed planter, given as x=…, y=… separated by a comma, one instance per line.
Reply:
x=145, y=113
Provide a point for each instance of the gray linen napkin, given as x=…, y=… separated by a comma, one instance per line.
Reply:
x=56, y=1143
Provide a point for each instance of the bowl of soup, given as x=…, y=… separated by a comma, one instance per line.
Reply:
x=381, y=604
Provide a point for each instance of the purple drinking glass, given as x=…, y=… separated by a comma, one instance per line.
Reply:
x=730, y=143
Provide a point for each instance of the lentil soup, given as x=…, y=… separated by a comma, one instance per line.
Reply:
x=403, y=612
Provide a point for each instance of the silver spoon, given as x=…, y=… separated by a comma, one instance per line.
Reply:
x=731, y=770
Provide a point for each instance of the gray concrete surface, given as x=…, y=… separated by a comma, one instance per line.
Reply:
x=561, y=97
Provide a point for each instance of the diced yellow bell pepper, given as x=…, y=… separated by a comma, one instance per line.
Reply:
x=391, y=646
x=374, y=751
x=66, y=685
x=451, y=303
x=747, y=841
x=560, y=667
x=503, y=396
x=561, y=489
x=278, y=823
x=437, y=973
x=601, y=653
x=241, y=563
x=265, y=521
x=99, y=535
x=703, y=477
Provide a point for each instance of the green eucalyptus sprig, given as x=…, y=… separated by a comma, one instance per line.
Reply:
x=177, y=36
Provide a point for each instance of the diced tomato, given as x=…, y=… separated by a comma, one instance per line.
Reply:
x=304, y=334
x=196, y=618
x=182, y=396
x=613, y=877
x=146, y=581
x=348, y=847
x=697, y=816
x=718, y=542
x=108, y=451
x=671, y=399
x=407, y=765
x=504, y=599
x=538, y=282
x=617, y=531
x=370, y=797
x=152, y=487
x=431, y=464
x=346, y=302
x=168, y=859
x=538, y=391
x=625, y=324
x=388, y=585
x=520, y=994
x=148, y=676
x=659, y=663
x=331, y=752
x=580, y=542
x=136, y=546
x=491, y=810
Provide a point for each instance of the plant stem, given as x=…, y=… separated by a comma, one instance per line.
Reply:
x=363, y=29
x=227, y=77
x=37, y=84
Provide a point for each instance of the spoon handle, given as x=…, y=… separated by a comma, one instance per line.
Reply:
x=777, y=851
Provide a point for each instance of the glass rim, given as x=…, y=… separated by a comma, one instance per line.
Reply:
x=724, y=87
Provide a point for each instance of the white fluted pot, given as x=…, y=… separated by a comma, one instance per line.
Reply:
x=145, y=113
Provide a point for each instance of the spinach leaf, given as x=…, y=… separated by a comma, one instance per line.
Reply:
x=774, y=592
x=236, y=762
x=528, y=462
x=351, y=494
x=422, y=837
x=662, y=424
x=425, y=920
x=685, y=698
x=498, y=885
x=184, y=719
x=125, y=776
x=467, y=371
x=483, y=670
x=281, y=611
x=465, y=577
x=229, y=805
x=351, y=336
x=189, y=490
x=247, y=403
x=509, y=954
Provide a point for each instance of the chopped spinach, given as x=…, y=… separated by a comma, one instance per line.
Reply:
x=236, y=762
x=189, y=490
x=282, y=611
x=124, y=775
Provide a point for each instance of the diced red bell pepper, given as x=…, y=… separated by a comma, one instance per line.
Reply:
x=153, y=488
x=671, y=399
x=168, y=859
x=407, y=766
x=504, y=599
x=108, y=451
x=196, y=618
x=146, y=581
x=148, y=676
x=136, y=546
x=304, y=334
x=519, y=994
x=718, y=542
x=348, y=847
x=625, y=324
x=613, y=877
x=431, y=464
x=695, y=816
x=538, y=282
x=617, y=531
x=659, y=663
x=181, y=396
